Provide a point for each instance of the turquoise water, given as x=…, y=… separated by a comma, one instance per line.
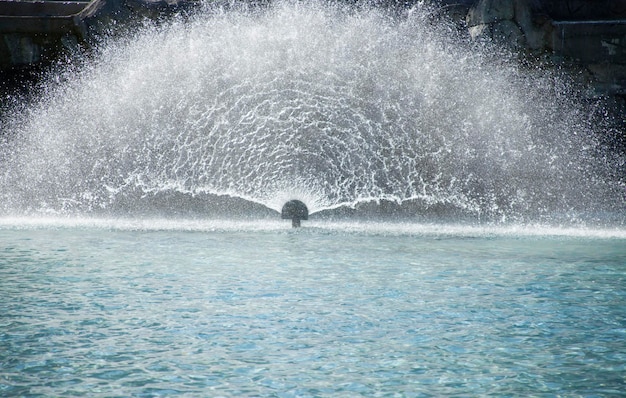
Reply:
x=361, y=113
x=173, y=308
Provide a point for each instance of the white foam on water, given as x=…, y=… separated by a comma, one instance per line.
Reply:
x=312, y=226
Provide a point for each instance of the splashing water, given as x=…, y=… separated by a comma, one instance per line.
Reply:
x=327, y=104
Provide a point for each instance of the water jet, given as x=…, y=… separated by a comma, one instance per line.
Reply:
x=296, y=211
x=405, y=113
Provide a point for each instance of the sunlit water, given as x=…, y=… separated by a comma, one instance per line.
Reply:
x=466, y=237
x=145, y=308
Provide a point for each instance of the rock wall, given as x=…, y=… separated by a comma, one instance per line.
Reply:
x=589, y=35
x=518, y=24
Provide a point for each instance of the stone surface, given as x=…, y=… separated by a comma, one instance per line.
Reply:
x=518, y=24
x=490, y=11
x=571, y=33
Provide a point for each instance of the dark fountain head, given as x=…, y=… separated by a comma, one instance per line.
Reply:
x=296, y=211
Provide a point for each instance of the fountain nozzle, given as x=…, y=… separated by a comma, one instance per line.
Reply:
x=296, y=211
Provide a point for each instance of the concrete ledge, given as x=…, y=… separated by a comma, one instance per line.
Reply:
x=32, y=31
x=600, y=46
x=14, y=8
x=57, y=25
x=46, y=17
x=591, y=42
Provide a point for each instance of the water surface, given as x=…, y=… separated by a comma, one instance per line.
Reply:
x=105, y=308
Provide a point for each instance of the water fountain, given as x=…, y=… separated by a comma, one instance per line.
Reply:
x=142, y=253
x=340, y=109
x=295, y=211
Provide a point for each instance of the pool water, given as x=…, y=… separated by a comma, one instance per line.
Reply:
x=136, y=309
